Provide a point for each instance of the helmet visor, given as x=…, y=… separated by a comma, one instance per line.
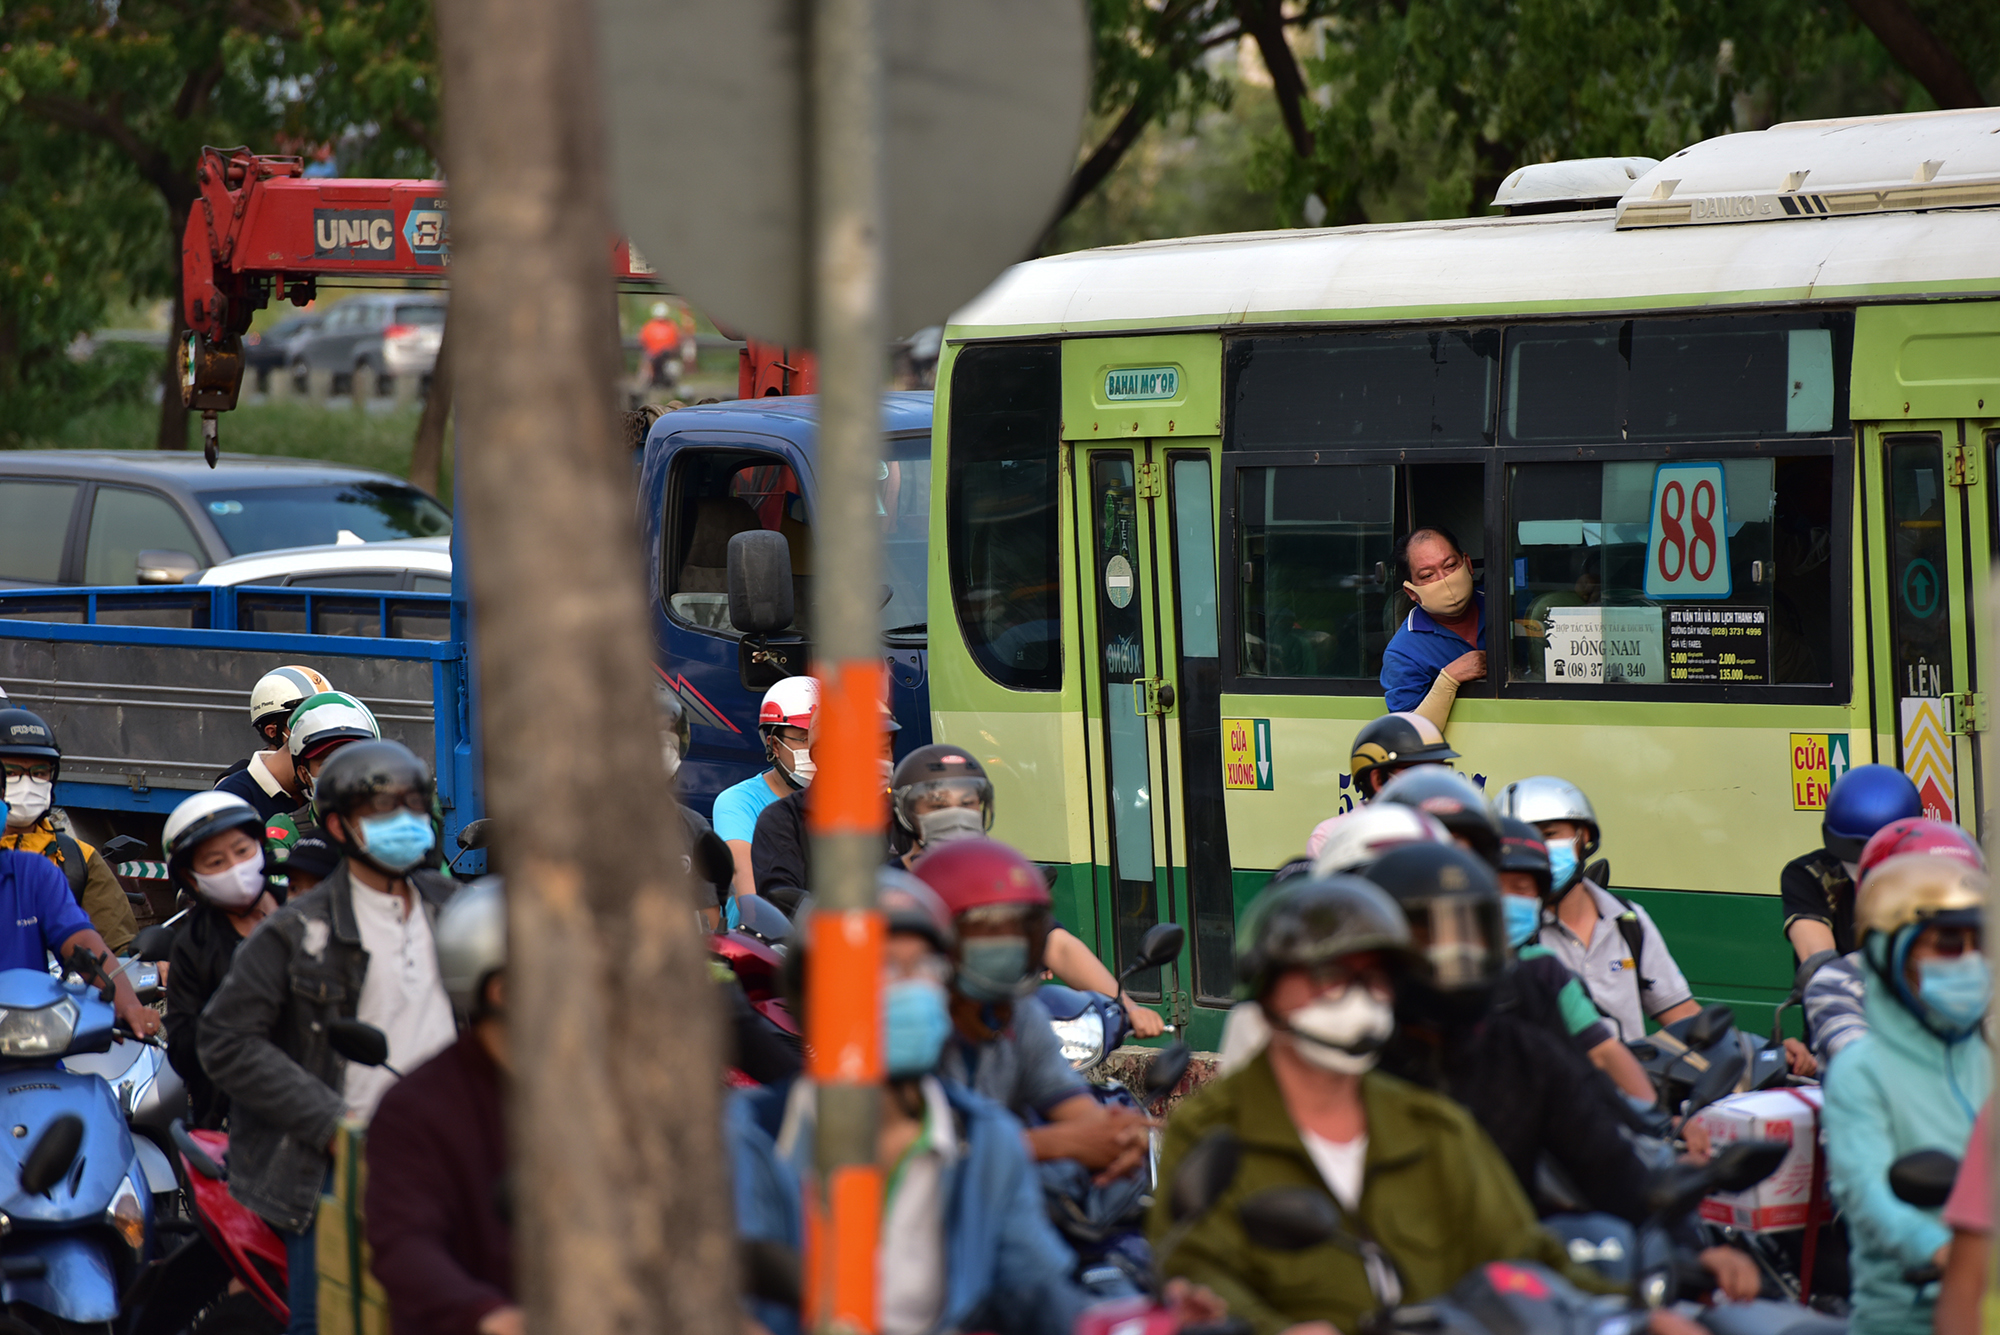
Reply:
x=1460, y=938
x=972, y=791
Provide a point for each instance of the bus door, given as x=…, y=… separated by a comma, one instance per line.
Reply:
x=1933, y=575
x=1145, y=526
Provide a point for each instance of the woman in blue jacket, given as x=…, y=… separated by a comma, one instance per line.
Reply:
x=1915, y=1081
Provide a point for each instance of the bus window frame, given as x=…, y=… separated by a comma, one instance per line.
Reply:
x=1229, y=574
x=1841, y=449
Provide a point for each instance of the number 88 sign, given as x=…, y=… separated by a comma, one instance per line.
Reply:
x=1687, y=551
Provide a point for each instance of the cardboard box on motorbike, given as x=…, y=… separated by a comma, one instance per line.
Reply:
x=1782, y=1200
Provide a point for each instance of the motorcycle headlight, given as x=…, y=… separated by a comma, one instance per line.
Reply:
x=1082, y=1039
x=45, y=1031
x=127, y=1215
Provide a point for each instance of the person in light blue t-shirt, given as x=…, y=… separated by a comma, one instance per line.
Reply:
x=783, y=718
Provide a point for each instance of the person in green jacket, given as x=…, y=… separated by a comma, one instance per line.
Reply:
x=1417, y=1182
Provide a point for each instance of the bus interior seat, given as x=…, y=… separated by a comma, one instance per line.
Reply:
x=702, y=587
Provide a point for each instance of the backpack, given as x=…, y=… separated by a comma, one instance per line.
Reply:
x=1634, y=933
x=71, y=861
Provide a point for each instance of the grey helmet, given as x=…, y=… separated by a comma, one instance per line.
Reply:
x=471, y=939
x=1545, y=798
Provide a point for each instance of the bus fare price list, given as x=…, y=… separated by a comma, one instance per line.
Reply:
x=1718, y=643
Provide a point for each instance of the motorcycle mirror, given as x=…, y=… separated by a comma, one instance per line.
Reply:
x=154, y=944
x=116, y=850
x=49, y=1161
x=473, y=834
x=770, y=1271
x=1160, y=946
x=713, y=861
x=1708, y=1026
x=1923, y=1179
x=1167, y=1070
x=1204, y=1174
x=358, y=1042
x=1288, y=1219
x=1743, y=1164
x=1598, y=872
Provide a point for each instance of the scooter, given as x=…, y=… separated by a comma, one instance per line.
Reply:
x=76, y=1204
x=1105, y=1225
x=1694, y=1062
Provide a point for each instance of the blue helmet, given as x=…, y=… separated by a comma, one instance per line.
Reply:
x=1866, y=798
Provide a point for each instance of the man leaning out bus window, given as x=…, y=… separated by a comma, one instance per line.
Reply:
x=1436, y=649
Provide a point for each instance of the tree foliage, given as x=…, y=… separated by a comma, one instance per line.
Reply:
x=105, y=105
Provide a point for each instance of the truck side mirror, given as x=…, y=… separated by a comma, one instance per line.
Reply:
x=760, y=582
x=162, y=567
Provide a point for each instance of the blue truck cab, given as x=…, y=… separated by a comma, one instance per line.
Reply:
x=709, y=472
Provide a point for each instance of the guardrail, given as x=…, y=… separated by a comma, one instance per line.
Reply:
x=348, y=612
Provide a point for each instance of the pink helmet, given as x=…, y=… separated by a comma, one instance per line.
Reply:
x=1918, y=834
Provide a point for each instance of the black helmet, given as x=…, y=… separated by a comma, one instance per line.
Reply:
x=1393, y=742
x=1302, y=923
x=1452, y=900
x=24, y=736
x=936, y=768
x=1454, y=800
x=360, y=770
x=1523, y=849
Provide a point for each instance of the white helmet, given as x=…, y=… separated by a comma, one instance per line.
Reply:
x=1366, y=833
x=279, y=691
x=659, y=310
x=1545, y=798
x=202, y=816
x=331, y=716
x=790, y=703
x=471, y=940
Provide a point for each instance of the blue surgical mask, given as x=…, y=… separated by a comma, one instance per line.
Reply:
x=1956, y=988
x=990, y=968
x=916, y=1020
x=1524, y=918
x=1562, y=863
x=397, y=842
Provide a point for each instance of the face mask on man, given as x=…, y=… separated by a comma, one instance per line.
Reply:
x=397, y=842
x=991, y=968
x=797, y=766
x=916, y=1020
x=1342, y=1031
x=1562, y=864
x=1956, y=987
x=949, y=823
x=234, y=887
x=1449, y=596
x=1523, y=918
x=27, y=799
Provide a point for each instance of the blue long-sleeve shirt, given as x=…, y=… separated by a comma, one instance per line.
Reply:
x=1418, y=652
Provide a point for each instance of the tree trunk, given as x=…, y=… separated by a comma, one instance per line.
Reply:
x=1919, y=51
x=1265, y=21
x=621, y=1201
x=427, y=450
x=173, y=432
x=1095, y=168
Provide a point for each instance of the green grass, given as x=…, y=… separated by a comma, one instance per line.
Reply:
x=379, y=440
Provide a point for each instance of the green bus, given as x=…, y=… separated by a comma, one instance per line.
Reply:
x=1719, y=432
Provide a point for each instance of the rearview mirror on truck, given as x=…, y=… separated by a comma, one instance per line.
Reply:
x=163, y=567
x=760, y=582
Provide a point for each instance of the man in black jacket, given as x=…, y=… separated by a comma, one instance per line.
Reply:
x=265, y=1036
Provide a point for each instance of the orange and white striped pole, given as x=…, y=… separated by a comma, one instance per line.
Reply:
x=847, y=810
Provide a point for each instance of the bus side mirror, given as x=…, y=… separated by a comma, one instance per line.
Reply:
x=760, y=582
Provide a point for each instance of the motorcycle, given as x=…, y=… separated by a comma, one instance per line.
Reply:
x=79, y=1225
x=1105, y=1225
x=1694, y=1062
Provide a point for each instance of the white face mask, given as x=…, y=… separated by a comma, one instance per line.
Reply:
x=1342, y=1032
x=949, y=823
x=801, y=769
x=27, y=800
x=234, y=887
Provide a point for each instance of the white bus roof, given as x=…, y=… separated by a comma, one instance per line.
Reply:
x=1547, y=264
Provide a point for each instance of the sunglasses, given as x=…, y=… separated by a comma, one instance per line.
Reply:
x=381, y=804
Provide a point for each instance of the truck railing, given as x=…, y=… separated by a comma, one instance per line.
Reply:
x=148, y=687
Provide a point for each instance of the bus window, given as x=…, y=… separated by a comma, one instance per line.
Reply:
x=1430, y=387
x=1675, y=573
x=1729, y=377
x=1001, y=514
x=1309, y=540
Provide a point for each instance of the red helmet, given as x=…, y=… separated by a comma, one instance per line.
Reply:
x=1917, y=834
x=791, y=702
x=978, y=873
